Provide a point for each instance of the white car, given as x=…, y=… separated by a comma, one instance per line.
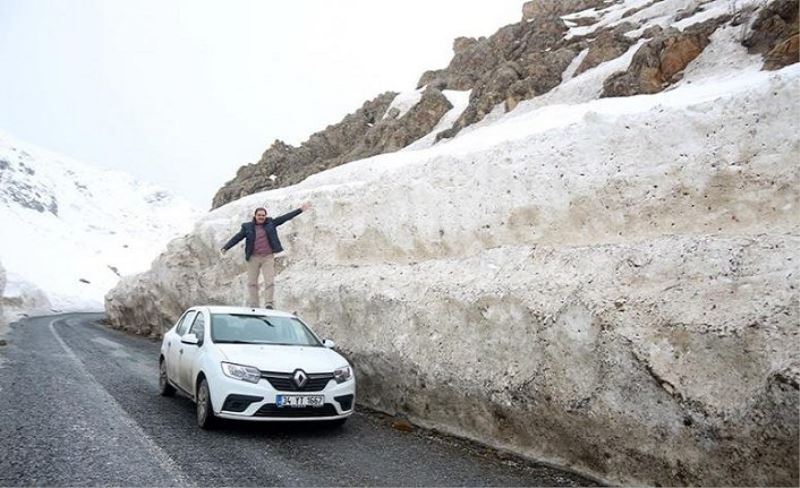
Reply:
x=255, y=364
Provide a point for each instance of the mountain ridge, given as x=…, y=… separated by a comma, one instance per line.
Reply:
x=525, y=60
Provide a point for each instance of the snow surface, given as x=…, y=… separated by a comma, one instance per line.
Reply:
x=608, y=16
x=404, y=101
x=573, y=66
x=660, y=13
x=71, y=229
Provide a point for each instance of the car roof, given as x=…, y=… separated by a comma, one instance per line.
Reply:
x=244, y=311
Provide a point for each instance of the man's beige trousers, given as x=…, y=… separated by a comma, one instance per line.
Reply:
x=266, y=265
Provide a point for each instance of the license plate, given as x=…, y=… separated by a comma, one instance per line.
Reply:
x=299, y=400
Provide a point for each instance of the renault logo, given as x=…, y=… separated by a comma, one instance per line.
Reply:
x=300, y=378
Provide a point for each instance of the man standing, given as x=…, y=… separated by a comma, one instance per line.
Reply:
x=260, y=246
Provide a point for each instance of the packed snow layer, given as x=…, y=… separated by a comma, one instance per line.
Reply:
x=72, y=230
x=606, y=284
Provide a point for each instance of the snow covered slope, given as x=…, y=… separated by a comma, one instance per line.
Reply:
x=70, y=230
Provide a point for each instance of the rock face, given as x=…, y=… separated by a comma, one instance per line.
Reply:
x=660, y=62
x=614, y=291
x=784, y=54
x=538, y=9
x=395, y=133
x=608, y=45
x=361, y=134
x=774, y=34
x=471, y=59
x=518, y=62
x=322, y=150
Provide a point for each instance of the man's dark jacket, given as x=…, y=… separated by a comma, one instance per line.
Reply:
x=248, y=233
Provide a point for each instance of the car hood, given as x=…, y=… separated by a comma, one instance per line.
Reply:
x=284, y=359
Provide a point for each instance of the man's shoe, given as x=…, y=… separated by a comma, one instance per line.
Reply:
x=269, y=307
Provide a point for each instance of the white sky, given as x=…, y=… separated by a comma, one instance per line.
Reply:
x=182, y=93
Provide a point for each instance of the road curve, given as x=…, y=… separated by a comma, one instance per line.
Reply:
x=79, y=405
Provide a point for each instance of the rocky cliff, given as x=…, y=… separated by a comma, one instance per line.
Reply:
x=375, y=128
x=525, y=60
x=607, y=283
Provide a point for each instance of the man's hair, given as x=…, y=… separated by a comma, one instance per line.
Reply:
x=260, y=209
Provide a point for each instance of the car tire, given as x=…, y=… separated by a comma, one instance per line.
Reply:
x=164, y=387
x=205, y=413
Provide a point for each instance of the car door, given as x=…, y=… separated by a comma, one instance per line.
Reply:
x=174, y=346
x=190, y=353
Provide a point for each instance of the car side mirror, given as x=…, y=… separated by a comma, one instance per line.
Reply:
x=329, y=343
x=190, y=339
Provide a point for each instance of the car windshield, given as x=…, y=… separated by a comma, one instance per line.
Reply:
x=260, y=329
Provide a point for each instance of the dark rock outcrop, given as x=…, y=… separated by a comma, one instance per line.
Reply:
x=520, y=61
x=606, y=46
x=784, y=54
x=283, y=165
x=361, y=134
x=774, y=34
x=538, y=9
x=471, y=58
x=774, y=24
x=661, y=61
x=393, y=134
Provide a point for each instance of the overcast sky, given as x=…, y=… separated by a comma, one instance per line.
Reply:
x=182, y=93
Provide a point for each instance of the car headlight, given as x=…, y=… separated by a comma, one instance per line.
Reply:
x=240, y=372
x=342, y=374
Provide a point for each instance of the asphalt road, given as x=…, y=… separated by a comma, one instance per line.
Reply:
x=79, y=405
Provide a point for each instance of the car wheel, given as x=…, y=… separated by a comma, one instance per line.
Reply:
x=205, y=413
x=163, y=380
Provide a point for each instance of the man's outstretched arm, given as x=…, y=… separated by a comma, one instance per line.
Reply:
x=234, y=240
x=290, y=215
